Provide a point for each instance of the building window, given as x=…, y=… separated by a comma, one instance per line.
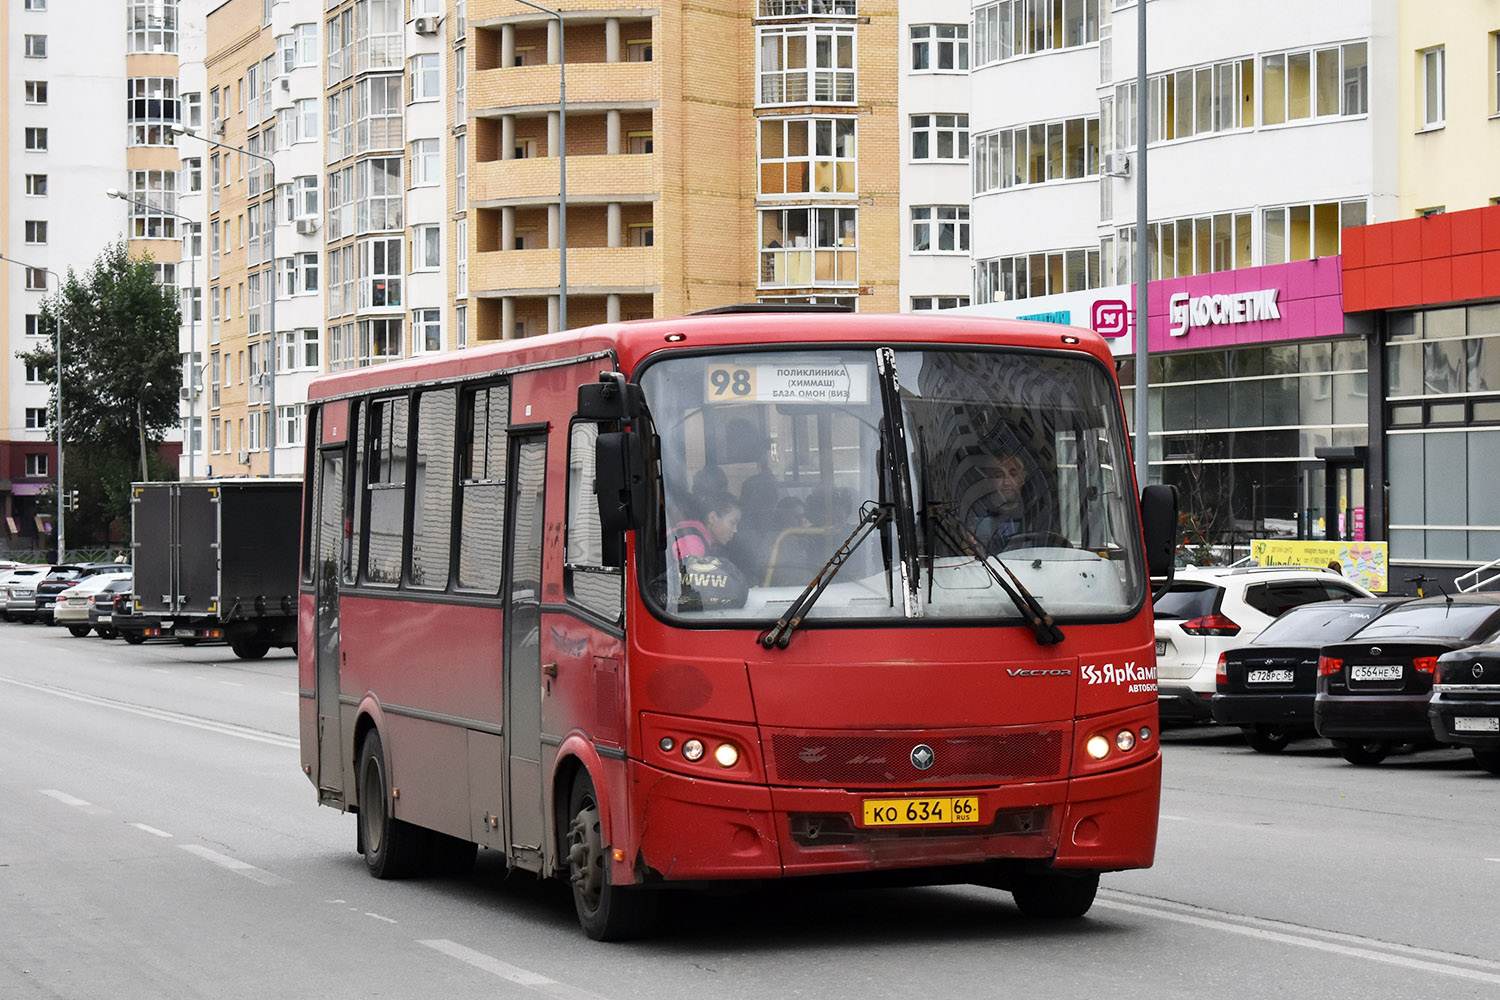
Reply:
x=799, y=64
x=289, y=423
x=426, y=163
x=36, y=466
x=378, y=195
x=36, y=418
x=426, y=248
x=1024, y=276
x=36, y=91
x=808, y=246
x=36, y=231
x=1434, y=110
x=642, y=234
x=36, y=139
x=33, y=325
x=1302, y=232
x=807, y=155
x=378, y=26
x=299, y=349
x=940, y=137
x=1315, y=83
x=426, y=331
x=922, y=303
x=1021, y=27
x=460, y=88
x=425, y=80
x=298, y=47
x=36, y=46
x=34, y=5
x=157, y=191
x=33, y=374
x=461, y=326
x=151, y=109
x=638, y=50
x=380, y=273
x=1035, y=154
x=192, y=110
x=939, y=48
x=378, y=121
x=461, y=262
x=379, y=340
x=36, y=279
x=639, y=143
x=460, y=173
x=940, y=229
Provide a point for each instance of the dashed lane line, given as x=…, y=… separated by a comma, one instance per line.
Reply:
x=235, y=865
x=510, y=973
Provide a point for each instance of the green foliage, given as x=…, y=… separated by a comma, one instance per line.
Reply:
x=120, y=373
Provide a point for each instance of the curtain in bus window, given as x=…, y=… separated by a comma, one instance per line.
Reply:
x=432, y=517
x=481, y=537
x=387, y=489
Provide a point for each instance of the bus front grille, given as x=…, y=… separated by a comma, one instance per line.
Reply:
x=886, y=759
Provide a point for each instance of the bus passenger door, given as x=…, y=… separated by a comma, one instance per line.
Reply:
x=522, y=643
x=328, y=501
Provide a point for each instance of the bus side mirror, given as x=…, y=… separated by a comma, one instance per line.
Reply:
x=1159, y=522
x=619, y=477
x=610, y=398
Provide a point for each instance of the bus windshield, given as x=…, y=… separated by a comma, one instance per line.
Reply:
x=1015, y=463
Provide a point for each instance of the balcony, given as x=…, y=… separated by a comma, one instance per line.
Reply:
x=591, y=179
x=593, y=85
x=590, y=270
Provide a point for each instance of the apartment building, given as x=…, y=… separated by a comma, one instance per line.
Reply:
x=89, y=105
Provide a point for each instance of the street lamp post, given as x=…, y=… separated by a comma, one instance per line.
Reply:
x=271, y=369
x=192, y=362
x=57, y=433
x=562, y=163
x=140, y=424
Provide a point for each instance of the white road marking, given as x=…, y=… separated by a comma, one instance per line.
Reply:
x=223, y=728
x=233, y=684
x=151, y=830
x=379, y=917
x=65, y=798
x=1279, y=932
x=235, y=865
x=510, y=973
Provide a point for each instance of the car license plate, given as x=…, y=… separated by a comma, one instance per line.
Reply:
x=183, y=633
x=921, y=812
x=1378, y=672
x=1476, y=724
x=1161, y=647
x=106, y=619
x=1269, y=677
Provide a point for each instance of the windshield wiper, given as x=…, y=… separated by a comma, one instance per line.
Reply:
x=898, y=470
x=1042, y=627
x=871, y=516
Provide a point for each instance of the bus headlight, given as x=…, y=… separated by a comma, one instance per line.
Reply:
x=1125, y=740
x=1097, y=747
x=727, y=754
x=692, y=750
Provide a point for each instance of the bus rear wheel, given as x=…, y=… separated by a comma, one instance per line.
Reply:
x=1054, y=895
x=607, y=912
x=392, y=848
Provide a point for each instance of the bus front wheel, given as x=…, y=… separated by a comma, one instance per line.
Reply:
x=393, y=848
x=1055, y=895
x=607, y=912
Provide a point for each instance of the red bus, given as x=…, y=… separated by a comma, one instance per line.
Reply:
x=745, y=595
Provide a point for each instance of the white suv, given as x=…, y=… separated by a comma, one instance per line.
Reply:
x=1209, y=609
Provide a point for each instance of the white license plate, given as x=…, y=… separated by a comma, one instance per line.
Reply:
x=1476, y=724
x=1377, y=672
x=1269, y=677
x=183, y=633
x=1161, y=647
x=106, y=619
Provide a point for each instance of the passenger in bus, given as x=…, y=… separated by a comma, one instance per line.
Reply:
x=708, y=578
x=713, y=520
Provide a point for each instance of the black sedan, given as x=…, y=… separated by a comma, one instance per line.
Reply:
x=1373, y=688
x=1465, y=704
x=1267, y=687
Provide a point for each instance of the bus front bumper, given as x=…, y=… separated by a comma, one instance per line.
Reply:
x=693, y=829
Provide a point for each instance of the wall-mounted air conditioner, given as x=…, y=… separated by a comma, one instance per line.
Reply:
x=306, y=227
x=244, y=458
x=427, y=25
x=1117, y=163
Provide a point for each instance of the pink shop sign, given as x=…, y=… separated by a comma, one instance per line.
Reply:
x=1252, y=305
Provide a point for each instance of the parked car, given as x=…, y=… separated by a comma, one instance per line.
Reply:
x=23, y=604
x=22, y=576
x=53, y=584
x=1267, y=687
x=1465, y=703
x=102, y=607
x=1374, y=688
x=73, y=605
x=1208, y=610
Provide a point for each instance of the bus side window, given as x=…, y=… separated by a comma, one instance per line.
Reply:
x=592, y=568
x=484, y=419
x=353, y=520
x=386, y=490
x=432, y=515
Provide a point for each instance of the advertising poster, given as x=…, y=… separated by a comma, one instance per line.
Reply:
x=1366, y=563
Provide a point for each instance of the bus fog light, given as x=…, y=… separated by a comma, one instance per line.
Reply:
x=1145, y=733
x=667, y=743
x=693, y=750
x=1097, y=747
x=727, y=754
x=1125, y=739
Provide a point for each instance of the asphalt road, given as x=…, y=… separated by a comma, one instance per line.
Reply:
x=158, y=840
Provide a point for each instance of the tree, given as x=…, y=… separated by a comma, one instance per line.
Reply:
x=120, y=376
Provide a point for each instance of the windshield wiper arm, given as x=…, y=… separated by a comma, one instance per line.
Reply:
x=1042, y=626
x=871, y=516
